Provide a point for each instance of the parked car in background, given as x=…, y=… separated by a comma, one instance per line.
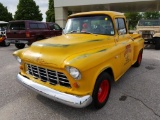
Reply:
x=3, y=26
x=150, y=31
x=22, y=32
x=77, y=68
x=54, y=27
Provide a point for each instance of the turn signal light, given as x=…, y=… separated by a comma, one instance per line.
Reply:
x=76, y=85
x=21, y=67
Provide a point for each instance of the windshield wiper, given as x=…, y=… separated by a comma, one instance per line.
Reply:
x=73, y=31
x=88, y=32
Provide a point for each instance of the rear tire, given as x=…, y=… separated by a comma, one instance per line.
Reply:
x=101, y=90
x=139, y=59
x=157, y=43
x=20, y=45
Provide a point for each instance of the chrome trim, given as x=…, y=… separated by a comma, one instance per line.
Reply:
x=54, y=77
x=67, y=99
x=57, y=77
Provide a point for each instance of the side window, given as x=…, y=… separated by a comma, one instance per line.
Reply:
x=51, y=26
x=17, y=26
x=56, y=27
x=33, y=26
x=41, y=26
x=116, y=21
x=120, y=25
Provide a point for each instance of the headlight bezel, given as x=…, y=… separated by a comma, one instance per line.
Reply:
x=74, y=72
x=18, y=59
x=152, y=32
x=140, y=32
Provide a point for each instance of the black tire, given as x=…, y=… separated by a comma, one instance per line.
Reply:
x=157, y=43
x=139, y=59
x=20, y=45
x=101, y=90
x=5, y=44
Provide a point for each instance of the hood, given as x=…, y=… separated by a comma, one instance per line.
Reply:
x=53, y=51
x=148, y=28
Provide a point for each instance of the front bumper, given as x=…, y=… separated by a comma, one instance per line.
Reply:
x=70, y=100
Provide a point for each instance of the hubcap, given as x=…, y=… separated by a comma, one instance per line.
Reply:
x=103, y=91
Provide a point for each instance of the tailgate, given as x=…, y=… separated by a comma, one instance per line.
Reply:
x=16, y=30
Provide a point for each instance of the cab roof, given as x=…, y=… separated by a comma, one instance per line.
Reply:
x=110, y=13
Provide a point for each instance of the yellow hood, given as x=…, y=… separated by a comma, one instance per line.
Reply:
x=54, y=51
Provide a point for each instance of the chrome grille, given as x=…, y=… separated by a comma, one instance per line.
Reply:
x=146, y=32
x=54, y=77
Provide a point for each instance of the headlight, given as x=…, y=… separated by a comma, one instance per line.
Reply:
x=74, y=72
x=18, y=59
x=140, y=32
x=152, y=32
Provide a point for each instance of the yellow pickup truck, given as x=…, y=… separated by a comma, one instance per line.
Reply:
x=77, y=67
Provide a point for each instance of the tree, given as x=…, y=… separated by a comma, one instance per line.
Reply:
x=133, y=19
x=151, y=15
x=50, y=12
x=4, y=14
x=28, y=10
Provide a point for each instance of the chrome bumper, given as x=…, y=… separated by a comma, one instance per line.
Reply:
x=70, y=100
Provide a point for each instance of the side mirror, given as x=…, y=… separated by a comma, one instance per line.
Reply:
x=121, y=31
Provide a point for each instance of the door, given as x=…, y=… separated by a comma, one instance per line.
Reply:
x=125, y=44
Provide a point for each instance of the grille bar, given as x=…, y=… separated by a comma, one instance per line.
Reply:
x=54, y=77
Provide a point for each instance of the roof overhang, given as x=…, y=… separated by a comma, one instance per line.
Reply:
x=123, y=6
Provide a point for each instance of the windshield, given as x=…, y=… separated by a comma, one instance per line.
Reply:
x=100, y=24
x=149, y=23
x=3, y=26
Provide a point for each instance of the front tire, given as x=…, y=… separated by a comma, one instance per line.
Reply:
x=20, y=45
x=101, y=90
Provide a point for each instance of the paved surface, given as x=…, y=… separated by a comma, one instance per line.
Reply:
x=136, y=96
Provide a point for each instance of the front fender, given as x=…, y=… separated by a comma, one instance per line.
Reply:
x=156, y=35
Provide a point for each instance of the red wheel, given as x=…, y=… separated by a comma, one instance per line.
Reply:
x=139, y=59
x=101, y=90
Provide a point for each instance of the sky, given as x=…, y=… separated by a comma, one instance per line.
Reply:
x=12, y=6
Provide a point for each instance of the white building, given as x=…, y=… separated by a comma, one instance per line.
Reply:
x=62, y=7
